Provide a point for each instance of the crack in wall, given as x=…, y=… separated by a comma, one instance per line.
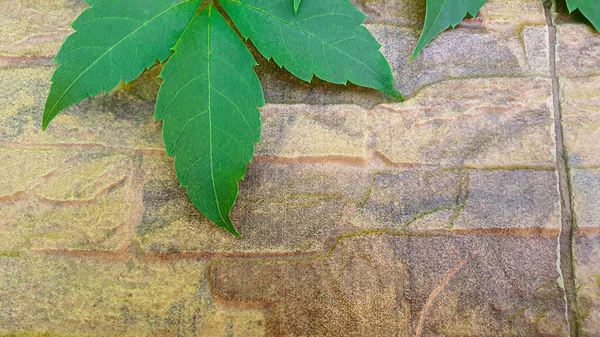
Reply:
x=565, y=240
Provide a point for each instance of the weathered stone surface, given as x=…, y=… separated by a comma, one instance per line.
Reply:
x=412, y=13
x=438, y=216
x=475, y=123
x=485, y=51
x=581, y=120
x=420, y=200
x=578, y=50
x=586, y=195
x=510, y=199
x=65, y=200
x=282, y=208
x=111, y=120
x=313, y=130
x=419, y=286
x=286, y=208
x=587, y=263
x=36, y=28
x=412, y=199
x=67, y=295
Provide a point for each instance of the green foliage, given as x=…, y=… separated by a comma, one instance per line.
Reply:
x=210, y=95
x=325, y=39
x=589, y=8
x=114, y=41
x=441, y=14
x=209, y=106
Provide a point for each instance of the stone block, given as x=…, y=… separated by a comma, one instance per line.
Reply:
x=587, y=279
x=282, y=209
x=65, y=200
x=578, y=50
x=34, y=28
x=586, y=197
x=84, y=296
x=580, y=105
x=510, y=199
x=313, y=131
x=114, y=120
x=421, y=286
x=480, y=123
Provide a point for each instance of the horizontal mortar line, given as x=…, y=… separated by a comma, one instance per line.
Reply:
x=578, y=77
x=31, y=195
x=549, y=233
x=157, y=257
x=534, y=233
x=549, y=168
x=26, y=61
x=87, y=147
x=587, y=231
x=584, y=167
x=348, y=160
x=417, y=90
x=468, y=23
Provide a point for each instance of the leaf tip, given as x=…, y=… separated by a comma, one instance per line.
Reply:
x=45, y=122
x=233, y=231
x=398, y=96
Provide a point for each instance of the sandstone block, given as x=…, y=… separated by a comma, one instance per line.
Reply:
x=587, y=260
x=420, y=286
x=578, y=50
x=114, y=120
x=65, y=200
x=475, y=123
x=67, y=295
x=33, y=28
x=586, y=194
x=281, y=209
x=313, y=130
x=581, y=120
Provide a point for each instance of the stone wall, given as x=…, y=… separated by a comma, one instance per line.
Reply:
x=437, y=216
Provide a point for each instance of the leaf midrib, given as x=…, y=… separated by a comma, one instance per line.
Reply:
x=104, y=54
x=210, y=126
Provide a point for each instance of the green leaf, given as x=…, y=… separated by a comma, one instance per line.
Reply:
x=296, y=5
x=441, y=14
x=589, y=8
x=209, y=106
x=114, y=41
x=325, y=39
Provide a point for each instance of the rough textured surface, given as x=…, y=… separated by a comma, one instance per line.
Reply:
x=578, y=67
x=389, y=286
x=437, y=216
x=477, y=123
x=581, y=120
x=76, y=295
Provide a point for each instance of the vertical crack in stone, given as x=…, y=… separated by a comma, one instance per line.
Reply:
x=565, y=240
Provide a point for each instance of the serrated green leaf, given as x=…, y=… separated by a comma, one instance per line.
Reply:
x=296, y=5
x=442, y=14
x=589, y=8
x=325, y=38
x=209, y=106
x=114, y=41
